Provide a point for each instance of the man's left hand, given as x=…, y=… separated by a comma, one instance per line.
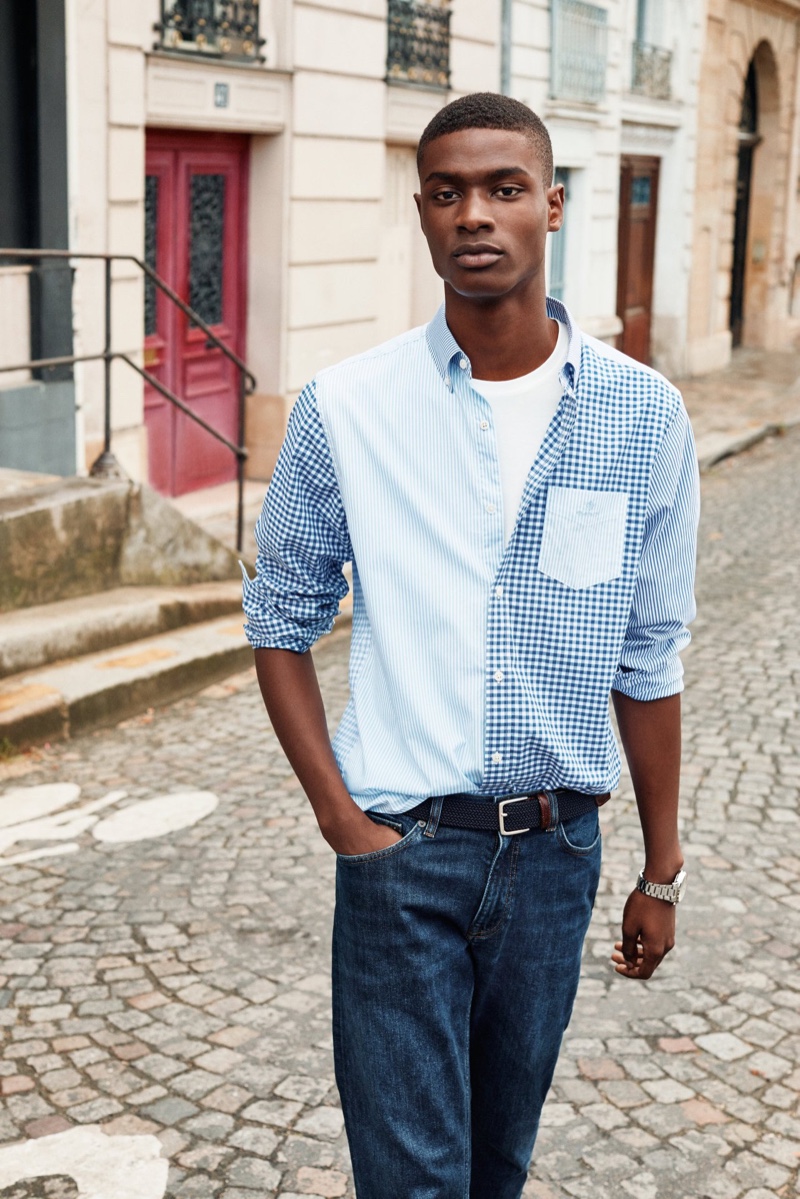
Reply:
x=648, y=934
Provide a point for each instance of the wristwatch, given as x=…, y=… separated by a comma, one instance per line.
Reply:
x=669, y=892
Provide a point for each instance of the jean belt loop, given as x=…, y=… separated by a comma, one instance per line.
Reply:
x=554, y=818
x=433, y=820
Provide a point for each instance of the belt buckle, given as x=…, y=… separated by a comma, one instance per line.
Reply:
x=501, y=808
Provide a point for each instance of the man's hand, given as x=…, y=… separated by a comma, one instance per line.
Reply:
x=648, y=934
x=358, y=834
x=651, y=733
x=291, y=693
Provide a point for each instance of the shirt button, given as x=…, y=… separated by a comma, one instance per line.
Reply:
x=462, y=362
x=498, y=676
x=499, y=590
x=497, y=759
x=490, y=508
x=484, y=425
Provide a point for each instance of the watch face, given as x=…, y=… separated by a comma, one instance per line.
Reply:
x=679, y=884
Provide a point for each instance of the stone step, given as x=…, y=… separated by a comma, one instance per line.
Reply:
x=34, y=637
x=64, y=538
x=68, y=697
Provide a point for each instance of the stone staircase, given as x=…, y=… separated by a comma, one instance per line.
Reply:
x=111, y=601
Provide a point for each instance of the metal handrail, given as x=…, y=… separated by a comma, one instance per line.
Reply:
x=106, y=464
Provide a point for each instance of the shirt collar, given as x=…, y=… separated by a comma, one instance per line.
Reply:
x=443, y=347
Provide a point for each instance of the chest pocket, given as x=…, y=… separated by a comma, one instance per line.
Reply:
x=584, y=536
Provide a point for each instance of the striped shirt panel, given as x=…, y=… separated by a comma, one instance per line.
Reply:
x=476, y=665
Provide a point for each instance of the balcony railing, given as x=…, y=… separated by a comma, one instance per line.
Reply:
x=419, y=44
x=651, y=71
x=579, y=50
x=211, y=29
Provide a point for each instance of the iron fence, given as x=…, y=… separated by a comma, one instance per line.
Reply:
x=106, y=465
x=651, y=71
x=215, y=28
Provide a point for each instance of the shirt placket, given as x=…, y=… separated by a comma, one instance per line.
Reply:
x=498, y=675
x=505, y=703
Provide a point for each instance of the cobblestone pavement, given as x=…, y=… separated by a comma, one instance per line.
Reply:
x=178, y=986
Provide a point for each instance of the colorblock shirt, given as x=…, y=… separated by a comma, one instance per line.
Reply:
x=477, y=664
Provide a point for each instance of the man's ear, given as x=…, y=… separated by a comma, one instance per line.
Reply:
x=418, y=202
x=555, y=204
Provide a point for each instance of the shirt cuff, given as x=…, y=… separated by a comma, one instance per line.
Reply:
x=294, y=624
x=647, y=685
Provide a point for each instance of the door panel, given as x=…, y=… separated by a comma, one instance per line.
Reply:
x=198, y=187
x=638, y=205
x=159, y=315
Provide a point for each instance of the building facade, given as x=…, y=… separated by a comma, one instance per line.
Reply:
x=260, y=158
x=617, y=85
x=745, y=280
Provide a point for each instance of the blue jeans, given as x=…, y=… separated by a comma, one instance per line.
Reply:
x=456, y=957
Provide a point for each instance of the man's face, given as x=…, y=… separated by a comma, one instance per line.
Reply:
x=486, y=211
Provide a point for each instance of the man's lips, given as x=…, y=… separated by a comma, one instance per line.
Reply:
x=478, y=255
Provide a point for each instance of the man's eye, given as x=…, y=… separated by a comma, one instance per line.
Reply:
x=444, y=195
x=509, y=189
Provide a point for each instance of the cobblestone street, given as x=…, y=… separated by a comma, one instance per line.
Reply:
x=176, y=985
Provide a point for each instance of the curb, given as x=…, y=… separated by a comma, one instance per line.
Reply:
x=71, y=697
x=727, y=445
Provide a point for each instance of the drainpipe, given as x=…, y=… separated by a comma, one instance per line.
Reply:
x=505, y=47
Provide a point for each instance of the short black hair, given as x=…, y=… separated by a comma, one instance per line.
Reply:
x=491, y=110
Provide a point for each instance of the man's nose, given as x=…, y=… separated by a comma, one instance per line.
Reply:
x=474, y=212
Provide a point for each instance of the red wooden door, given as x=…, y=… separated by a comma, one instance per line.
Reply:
x=196, y=239
x=638, y=201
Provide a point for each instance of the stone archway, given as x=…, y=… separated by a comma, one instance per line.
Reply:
x=754, y=264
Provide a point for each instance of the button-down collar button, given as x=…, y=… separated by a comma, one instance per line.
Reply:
x=491, y=508
x=462, y=362
x=497, y=759
x=484, y=424
x=499, y=590
x=498, y=676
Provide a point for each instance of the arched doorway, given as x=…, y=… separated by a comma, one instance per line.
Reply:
x=751, y=268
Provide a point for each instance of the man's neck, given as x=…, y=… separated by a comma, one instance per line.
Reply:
x=504, y=338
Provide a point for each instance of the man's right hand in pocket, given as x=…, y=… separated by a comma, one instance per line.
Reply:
x=358, y=834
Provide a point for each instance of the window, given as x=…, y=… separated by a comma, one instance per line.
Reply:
x=651, y=66
x=579, y=49
x=419, y=44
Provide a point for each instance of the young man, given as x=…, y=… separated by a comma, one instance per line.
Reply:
x=519, y=503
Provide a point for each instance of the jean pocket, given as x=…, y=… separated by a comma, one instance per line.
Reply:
x=413, y=834
x=583, y=540
x=581, y=836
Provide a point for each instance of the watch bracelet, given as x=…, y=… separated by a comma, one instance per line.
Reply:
x=663, y=891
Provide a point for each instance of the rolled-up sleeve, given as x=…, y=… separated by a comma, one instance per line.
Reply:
x=663, y=600
x=302, y=539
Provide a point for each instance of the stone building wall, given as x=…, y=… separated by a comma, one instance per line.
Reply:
x=738, y=30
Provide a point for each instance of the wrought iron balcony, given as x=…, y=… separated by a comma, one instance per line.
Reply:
x=211, y=29
x=651, y=71
x=579, y=50
x=419, y=44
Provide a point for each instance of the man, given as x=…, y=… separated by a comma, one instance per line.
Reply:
x=519, y=503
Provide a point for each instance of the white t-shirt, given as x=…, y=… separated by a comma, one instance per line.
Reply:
x=522, y=410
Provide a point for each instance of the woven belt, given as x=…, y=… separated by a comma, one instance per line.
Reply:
x=511, y=814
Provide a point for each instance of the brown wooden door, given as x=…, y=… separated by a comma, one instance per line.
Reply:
x=196, y=239
x=638, y=203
